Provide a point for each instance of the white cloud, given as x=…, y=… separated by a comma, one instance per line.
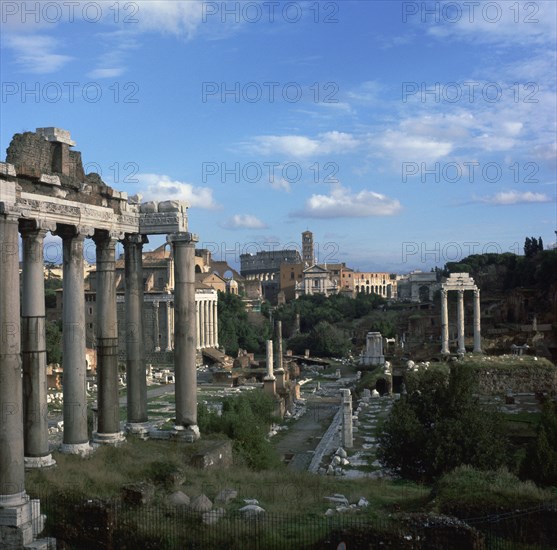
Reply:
x=505, y=198
x=162, y=187
x=106, y=73
x=178, y=17
x=343, y=203
x=303, y=146
x=504, y=24
x=244, y=221
x=35, y=53
x=413, y=147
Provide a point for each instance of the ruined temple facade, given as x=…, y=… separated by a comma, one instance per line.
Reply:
x=43, y=189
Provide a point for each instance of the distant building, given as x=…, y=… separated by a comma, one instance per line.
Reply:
x=317, y=279
x=417, y=286
x=380, y=283
x=265, y=267
x=308, y=254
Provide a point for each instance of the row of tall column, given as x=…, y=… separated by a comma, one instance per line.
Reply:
x=207, y=323
x=23, y=399
x=460, y=322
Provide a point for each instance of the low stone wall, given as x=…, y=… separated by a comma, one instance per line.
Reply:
x=519, y=379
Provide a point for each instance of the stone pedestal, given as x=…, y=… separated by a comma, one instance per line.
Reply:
x=373, y=354
x=279, y=372
x=269, y=382
x=185, y=332
x=135, y=361
x=347, y=437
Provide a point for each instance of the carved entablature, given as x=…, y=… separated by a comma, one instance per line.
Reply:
x=459, y=281
x=26, y=192
x=163, y=223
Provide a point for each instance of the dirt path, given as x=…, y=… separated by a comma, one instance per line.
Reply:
x=304, y=435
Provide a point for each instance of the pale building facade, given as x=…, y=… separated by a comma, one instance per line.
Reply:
x=380, y=283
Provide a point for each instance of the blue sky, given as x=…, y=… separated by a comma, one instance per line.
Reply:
x=403, y=134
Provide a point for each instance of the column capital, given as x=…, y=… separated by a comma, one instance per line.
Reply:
x=33, y=227
x=102, y=236
x=80, y=232
x=134, y=239
x=182, y=238
x=476, y=292
x=156, y=304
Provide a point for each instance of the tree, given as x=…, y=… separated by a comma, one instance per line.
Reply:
x=540, y=462
x=439, y=426
x=53, y=342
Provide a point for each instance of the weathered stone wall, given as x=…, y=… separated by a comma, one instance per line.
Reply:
x=32, y=155
x=496, y=381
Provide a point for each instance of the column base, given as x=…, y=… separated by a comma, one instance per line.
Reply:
x=157, y=349
x=189, y=433
x=32, y=462
x=9, y=501
x=81, y=449
x=116, y=438
x=139, y=429
x=461, y=351
x=477, y=350
x=20, y=525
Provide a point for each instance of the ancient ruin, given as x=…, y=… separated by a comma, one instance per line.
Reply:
x=43, y=188
x=459, y=282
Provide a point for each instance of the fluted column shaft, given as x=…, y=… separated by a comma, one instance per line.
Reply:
x=444, y=323
x=156, y=328
x=477, y=322
x=216, y=318
x=460, y=321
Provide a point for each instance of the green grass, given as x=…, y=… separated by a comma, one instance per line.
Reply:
x=467, y=489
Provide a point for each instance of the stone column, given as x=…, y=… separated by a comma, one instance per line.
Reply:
x=108, y=429
x=12, y=490
x=202, y=323
x=209, y=323
x=444, y=323
x=33, y=344
x=185, y=334
x=347, y=439
x=168, y=327
x=477, y=322
x=76, y=439
x=156, y=328
x=206, y=323
x=216, y=315
x=269, y=382
x=460, y=321
x=280, y=369
x=135, y=349
x=198, y=323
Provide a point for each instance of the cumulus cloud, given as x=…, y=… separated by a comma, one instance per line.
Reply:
x=343, y=203
x=161, y=187
x=303, y=146
x=505, y=198
x=244, y=221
